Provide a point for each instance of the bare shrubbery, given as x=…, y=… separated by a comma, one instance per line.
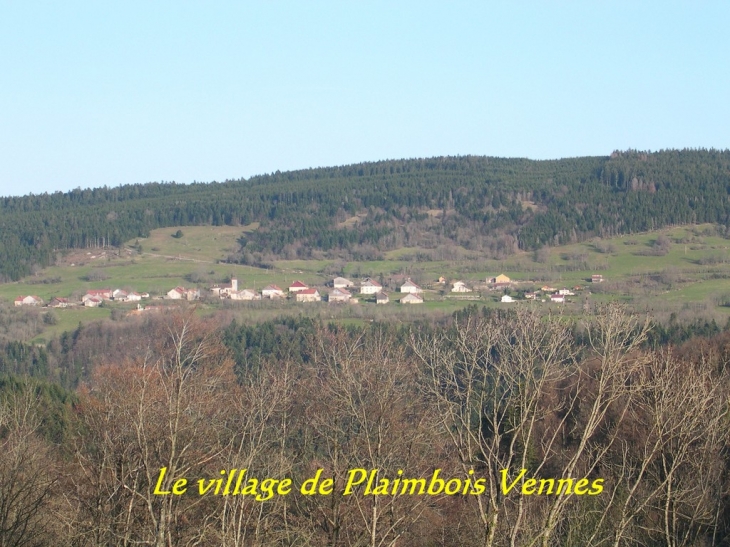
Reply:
x=518, y=398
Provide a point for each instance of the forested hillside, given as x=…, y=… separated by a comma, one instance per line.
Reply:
x=492, y=205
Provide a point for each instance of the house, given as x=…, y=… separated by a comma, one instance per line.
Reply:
x=596, y=278
x=501, y=278
x=566, y=292
x=342, y=283
x=410, y=287
x=104, y=294
x=530, y=296
x=176, y=294
x=412, y=298
x=297, y=286
x=119, y=294
x=308, y=295
x=339, y=295
x=225, y=290
x=28, y=301
x=58, y=302
x=245, y=294
x=507, y=298
x=370, y=286
x=92, y=301
x=272, y=291
x=133, y=297
x=381, y=298
x=557, y=298
x=548, y=288
x=460, y=286
x=181, y=293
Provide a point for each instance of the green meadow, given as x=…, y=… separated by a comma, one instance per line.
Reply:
x=672, y=270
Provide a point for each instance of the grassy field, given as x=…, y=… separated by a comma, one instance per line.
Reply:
x=690, y=272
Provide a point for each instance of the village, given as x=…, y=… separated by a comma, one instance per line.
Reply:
x=339, y=290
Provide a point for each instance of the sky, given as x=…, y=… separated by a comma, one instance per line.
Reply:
x=107, y=93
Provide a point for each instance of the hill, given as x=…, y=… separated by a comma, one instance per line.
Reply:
x=492, y=206
x=678, y=272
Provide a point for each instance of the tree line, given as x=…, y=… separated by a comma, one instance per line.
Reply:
x=495, y=205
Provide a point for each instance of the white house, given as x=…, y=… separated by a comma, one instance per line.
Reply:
x=133, y=297
x=92, y=301
x=342, y=283
x=245, y=294
x=308, y=295
x=272, y=291
x=176, y=293
x=558, y=298
x=339, y=295
x=226, y=289
x=507, y=298
x=119, y=294
x=566, y=292
x=297, y=286
x=370, y=286
x=381, y=298
x=181, y=293
x=410, y=287
x=460, y=286
x=28, y=301
x=412, y=298
x=104, y=294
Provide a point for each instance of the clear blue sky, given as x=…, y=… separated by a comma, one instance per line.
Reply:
x=102, y=93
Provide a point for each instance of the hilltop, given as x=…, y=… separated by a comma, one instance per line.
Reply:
x=494, y=207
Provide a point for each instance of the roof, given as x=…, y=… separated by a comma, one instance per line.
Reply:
x=371, y=283
x=410, y=283
x=271, y=287
x=299, y=284
x=340, y=292
x=309, y=291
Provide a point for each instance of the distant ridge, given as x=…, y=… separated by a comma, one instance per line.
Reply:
x=492, y=205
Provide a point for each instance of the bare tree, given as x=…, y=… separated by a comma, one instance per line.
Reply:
x=257, y=426
x=366, y=416
x=670, y=477
x=489, y=380
x=162, y=411
x=513, y=396
x=28, y=474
